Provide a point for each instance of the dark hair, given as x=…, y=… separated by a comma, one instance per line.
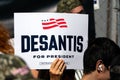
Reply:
x=115, y=69
x=100, y=49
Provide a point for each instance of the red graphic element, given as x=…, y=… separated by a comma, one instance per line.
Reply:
x=51, y=23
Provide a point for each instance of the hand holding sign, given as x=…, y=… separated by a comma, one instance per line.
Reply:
x=56, y=69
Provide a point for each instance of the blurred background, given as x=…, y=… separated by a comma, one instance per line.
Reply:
x=107, y=20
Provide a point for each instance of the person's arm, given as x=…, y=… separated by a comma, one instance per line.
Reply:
x=56, y=69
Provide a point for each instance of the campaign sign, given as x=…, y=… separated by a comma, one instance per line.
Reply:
x=42, y=37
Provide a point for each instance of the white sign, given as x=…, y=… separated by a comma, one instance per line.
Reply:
x=42, y=37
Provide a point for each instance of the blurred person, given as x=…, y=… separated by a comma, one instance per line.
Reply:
x=5, y=43
x=80, y=7
x=115, y=69
x=14, y=68
x=97, y=59
x=70, y=6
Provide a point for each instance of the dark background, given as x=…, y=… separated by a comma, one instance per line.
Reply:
x=9, y=7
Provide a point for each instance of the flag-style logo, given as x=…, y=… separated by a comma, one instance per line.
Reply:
x=52, y=23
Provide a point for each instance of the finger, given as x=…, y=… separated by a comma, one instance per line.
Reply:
x=57, y=66
x=54, y=63
x=63, y=68
x=61, y=65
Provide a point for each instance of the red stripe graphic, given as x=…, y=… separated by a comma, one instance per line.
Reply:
x=47, y=23
x=50, y=27
x=52, y=22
